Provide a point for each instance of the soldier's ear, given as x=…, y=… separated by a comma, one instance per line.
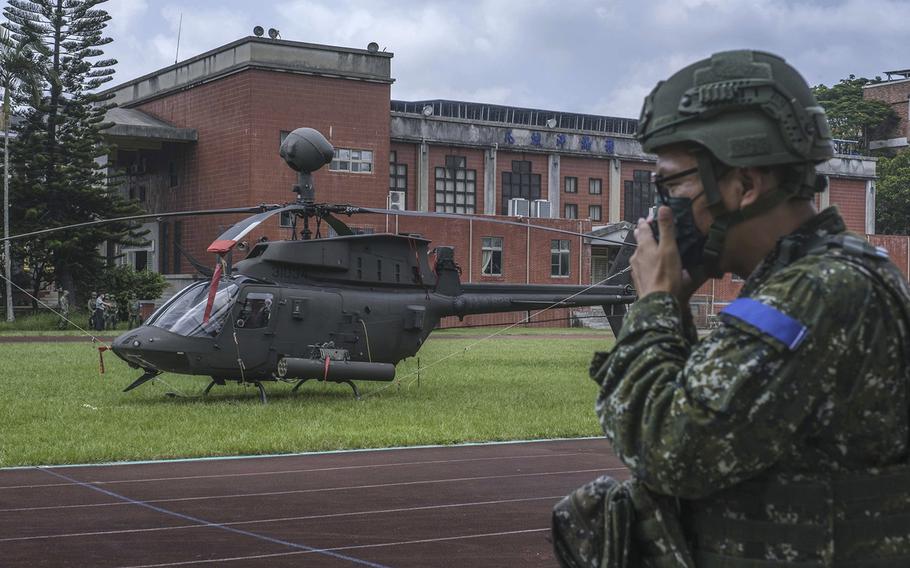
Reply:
x=753, y=182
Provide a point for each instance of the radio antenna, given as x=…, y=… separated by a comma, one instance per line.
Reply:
x=179, y=29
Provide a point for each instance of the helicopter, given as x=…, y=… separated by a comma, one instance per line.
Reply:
x=340, y=309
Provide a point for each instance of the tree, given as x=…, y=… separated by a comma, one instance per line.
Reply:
x=892, y=199
x=58, y=179
x=17, y=66
x=851, y=116
x=127, y=284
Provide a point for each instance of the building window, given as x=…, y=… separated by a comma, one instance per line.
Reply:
x=491, y=256
x=559, y=258
x=281, y=136
x=639, y=195
x=398, y=173
x=519, y=183
x=571, y=211
x=595, y=186
x=571, y=185
x=173, y=179
x=356, y=161
x=455, y=186
x=286, y=219
x=594, y=212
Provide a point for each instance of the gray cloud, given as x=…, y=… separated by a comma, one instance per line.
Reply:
x=577, y=55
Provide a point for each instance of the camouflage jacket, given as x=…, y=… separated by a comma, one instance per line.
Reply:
x=729, y=422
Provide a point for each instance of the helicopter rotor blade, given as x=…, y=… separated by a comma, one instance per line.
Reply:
x=200, y=268
x=228, y=239
x=475, y=218
x=340, y=226
x=97, y=222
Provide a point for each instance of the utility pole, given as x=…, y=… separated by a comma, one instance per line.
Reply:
x=10, y=316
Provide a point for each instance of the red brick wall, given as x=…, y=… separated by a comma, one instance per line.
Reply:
x=239, y=119
x=466, y=236
x=350, y=114
x=217, y=168
x=558, y=317
x=584, y=169
x=895, y=94
x=849, y=195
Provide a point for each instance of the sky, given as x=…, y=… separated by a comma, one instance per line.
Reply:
x=587, y=56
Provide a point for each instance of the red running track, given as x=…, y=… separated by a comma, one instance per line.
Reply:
x=457, y=506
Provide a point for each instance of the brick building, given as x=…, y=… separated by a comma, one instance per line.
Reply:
x=205, y=133
x=896, y=93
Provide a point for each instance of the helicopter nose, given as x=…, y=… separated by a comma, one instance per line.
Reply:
x=152, y=348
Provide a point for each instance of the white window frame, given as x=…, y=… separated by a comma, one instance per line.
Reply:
x=489, y=246
x=595, y=186
x=354, y=161
x=592, y=209
x=560, y=258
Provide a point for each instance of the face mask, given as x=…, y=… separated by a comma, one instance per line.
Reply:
x=689, y=240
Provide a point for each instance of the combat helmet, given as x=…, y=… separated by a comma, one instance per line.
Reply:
x=741, y=109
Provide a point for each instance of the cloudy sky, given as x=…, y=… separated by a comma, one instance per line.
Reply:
x=593, y=56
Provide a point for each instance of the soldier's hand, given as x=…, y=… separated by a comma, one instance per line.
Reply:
x=656, y=266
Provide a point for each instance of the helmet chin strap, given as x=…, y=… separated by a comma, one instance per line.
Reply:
x=709, y=170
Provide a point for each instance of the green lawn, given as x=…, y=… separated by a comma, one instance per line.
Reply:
x=56, y=408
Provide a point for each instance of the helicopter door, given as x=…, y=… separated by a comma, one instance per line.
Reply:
x=254, y=320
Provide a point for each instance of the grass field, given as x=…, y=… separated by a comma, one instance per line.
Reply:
x=57, y=409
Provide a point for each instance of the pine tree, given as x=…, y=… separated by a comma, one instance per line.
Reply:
x=58, y=180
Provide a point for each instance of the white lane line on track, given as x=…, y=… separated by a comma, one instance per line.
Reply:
x=232, y=530
x=287, y=519
x=291, y=471
x=318, y=453
x=316, y=490
x=341, y=548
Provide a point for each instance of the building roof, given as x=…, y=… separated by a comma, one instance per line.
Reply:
x=518, y=116
x=258, y=53
x=134, y=124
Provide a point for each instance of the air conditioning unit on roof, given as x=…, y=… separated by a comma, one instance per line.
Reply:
x=540, y=208
x=519, y=207
x=396, y=200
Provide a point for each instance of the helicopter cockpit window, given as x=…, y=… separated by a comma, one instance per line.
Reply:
x=184, y=314
x=255, y=310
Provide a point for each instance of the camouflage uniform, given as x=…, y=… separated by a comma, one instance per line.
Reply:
x=786, y=455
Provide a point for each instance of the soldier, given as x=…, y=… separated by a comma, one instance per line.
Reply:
x=92, y=302
x=780, y=439
x=63, y=309
x=133, y=308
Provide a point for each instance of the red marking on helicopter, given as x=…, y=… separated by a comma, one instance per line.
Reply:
x=213, y=289
x=221, y=247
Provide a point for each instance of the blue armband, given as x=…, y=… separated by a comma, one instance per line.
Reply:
x=768, y=320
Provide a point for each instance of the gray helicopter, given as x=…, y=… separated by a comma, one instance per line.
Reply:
x=340, y=309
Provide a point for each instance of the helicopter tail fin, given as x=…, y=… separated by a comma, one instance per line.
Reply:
x=448, y=273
